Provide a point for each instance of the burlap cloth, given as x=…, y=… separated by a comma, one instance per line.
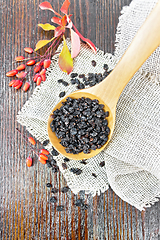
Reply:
x=132, y=158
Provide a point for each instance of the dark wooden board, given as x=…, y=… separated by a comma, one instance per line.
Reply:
x=25, y=209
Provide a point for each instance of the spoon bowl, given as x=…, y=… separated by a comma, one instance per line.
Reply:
x=108, y=91
x=56, y=142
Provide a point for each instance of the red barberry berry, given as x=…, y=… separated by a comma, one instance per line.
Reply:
x=46, y=63
x=19, y=85
x=31, y=140
x=28, y=50
x=43, y=156
x=35, y=77
x=21, y=74
x=29, y=162
x=44, y=151
x=19, y=58
x=11, y=83
x=31, y=62
x=43, y=71
x=42, y=160
x=39, y=79
x=16, y=83
x=21, y=67
x=26, y=86
x=12, y=73
x=43, y=76
x=37, y=68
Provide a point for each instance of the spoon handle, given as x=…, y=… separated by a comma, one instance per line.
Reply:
x=142, y=46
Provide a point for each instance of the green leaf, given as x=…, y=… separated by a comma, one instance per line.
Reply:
x=46, y=26
x=65, y=61
x=42, y=43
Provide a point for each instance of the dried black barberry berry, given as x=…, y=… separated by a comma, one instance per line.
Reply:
x=73, y=75
x=54, y=152
x=55, y=169
x=73, y=81
x=79, y=202
x=105, y=66
x=49, y=185
x=62, y=94
x=54, y=190
x=83, y=162
x=45, y=143
x=102, y=164
x=94, y=175
x=60, y=208
x=53, y=199
x=93, y=63
x=65, y=189
x=81, y=75
x=49, y=165
x=60, y=80
x=53, y=161
x=66, y=159
x=65, y=83
x=64, y=165
x=76, y=171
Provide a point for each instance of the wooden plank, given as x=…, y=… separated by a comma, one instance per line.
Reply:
x=25, y=209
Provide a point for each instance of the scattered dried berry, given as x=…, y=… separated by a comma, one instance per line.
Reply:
x=54, y=152
x=49, y=185
x=76, y=171
x=62, y=94
x=49, y=165
x=64, y=165
x=105, y=67
x=60, y=208
x=54, y=190
x=94, y=175
x=66, y=159
x=53, y=161
x=83, y=162
x=93, y=63
x=11, y=83
x=53, y=199
x=21, y=74
x=79, y=202
x=45, y=143
x=65, y=189
x=102, y=164
x=73, y=75
x=55, y=169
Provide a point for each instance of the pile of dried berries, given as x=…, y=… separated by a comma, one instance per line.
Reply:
x=81, y=125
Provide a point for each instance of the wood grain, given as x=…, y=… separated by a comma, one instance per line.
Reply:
x=25, y=209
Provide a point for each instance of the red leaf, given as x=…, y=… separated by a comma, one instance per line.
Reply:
x=56, y=20
x=47, y=6
x=75, y=44
x=58, y=31
x=65, y=6
x=85, y=40
x=65, y=61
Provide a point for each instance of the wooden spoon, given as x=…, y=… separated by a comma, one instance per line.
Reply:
x=108, y=91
